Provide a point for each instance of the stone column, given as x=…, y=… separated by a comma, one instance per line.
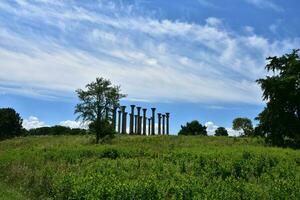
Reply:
x=119, y=121
x=125, y=123
x=138, y=120
x=159, y=123
x=135, y=124
x=167, y=123
x=123, y=108
x=140, y=125
x=144, y=121
x=163, y=124
x=153, y=121
x=149, y=126
x=131, y=125
x=114, y=117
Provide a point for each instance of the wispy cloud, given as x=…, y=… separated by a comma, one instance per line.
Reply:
x=153, y=60
x=266, y=4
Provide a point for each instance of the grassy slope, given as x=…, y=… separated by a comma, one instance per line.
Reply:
x=144, y=167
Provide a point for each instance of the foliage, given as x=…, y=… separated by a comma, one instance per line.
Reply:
x=57, y=130
x=221, y=131
x=193, y=128
x=138, y=167
x=280, y=120
x=10, y=123
x=104, y=127
x=243, y=124
x=97, y=103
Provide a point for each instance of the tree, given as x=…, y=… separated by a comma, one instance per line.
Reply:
x=221, y=131
x=10, y=123
x=280, y=119
x=96, y=105
x=193, y=128
x=243, y=124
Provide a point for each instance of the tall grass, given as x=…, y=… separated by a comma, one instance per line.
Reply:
x=160, y=167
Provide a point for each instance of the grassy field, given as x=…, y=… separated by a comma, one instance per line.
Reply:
x=137, y=167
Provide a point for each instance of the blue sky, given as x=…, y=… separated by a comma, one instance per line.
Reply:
x=197, y=59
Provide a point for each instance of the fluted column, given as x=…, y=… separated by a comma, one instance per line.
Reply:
x=149, y=126
x=153, y=121
x=159, y=123
x=138, y=120
x=123, y=108
x=163, y=124
x=144, y=121
x=119, y=121
x=131, y=119
x=167, y=123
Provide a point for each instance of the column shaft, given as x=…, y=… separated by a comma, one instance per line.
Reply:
x=159, y=123
x=144, y=121
x=163, y=124
x=153, y=121
x=167, y=124
x=119, y=121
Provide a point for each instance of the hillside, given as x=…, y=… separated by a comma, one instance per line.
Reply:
x=137, y=167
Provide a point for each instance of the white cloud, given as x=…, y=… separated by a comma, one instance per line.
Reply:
x=212, y=21
x=153, y=60
x=74, y=124
x=33, y=122
x=211, y=128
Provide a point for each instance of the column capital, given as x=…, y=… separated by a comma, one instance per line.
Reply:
x=153, y=109
x=123, y=108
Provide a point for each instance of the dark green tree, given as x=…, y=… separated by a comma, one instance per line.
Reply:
x=221, y=131
x=243, y=124
x=96, y=105
x=280, y=119
x=193, y=128
x=10, y=123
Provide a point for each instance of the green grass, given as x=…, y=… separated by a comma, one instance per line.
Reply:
x=9, y=193
x=160, y=167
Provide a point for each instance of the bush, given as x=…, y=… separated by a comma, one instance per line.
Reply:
x=221, y=131
x=193, y=128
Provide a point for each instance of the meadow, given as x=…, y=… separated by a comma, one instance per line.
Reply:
x=139, y=167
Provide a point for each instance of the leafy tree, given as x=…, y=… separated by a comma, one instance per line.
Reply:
x=221, y=131
x=193, y=128
x=243, y=124
x=10, y=123
x=96, y=105
x=280, y=119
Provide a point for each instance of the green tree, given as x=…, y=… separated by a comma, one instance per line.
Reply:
x=96, y=105
x=243, y=124
x=221, y=131
x=193, y=128
x=280, y=119
x=10, y=123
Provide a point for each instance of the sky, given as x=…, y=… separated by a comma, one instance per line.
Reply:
x=197, y=59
